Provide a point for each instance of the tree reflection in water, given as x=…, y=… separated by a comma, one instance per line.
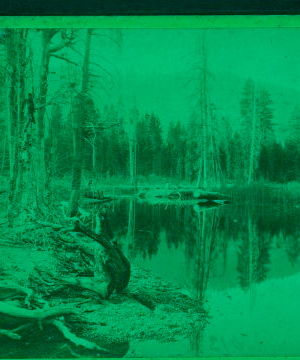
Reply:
x=217, y=248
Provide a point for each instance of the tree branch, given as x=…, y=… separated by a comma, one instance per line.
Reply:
x=15, y=311
x=75, y=339
x=65, y=59
x=57, y=47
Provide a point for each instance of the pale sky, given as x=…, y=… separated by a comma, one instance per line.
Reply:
x=157, y=65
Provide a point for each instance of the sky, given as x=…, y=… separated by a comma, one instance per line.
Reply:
x=155, y=69
x=159, y=64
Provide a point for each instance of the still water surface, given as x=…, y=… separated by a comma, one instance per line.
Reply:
x=243, y=262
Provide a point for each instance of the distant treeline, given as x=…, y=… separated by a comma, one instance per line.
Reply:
x=175, y=154
x=178, y=153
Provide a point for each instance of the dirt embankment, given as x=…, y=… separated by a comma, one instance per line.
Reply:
x=148, y=309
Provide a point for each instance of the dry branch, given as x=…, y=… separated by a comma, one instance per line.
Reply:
x=13, y=334
x=65, y=59
x=35, y=315
x=116, y=266
x=75, y=339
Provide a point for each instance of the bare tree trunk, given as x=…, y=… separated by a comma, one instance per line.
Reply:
x=80, y=105
x=115, y=264
x=131, y=226
x=4, y=154
x=12, y=54
x=17, y=51
x=205, y=120
x=41, y=99
x=50, y=158
x=94, y=158
x=202, y=174
x=132, y=162
x=253, y=131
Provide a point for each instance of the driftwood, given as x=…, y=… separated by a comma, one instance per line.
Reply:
x=14, y=333
x=116, y=266
x=9, y=290
x=34, y=315
x=97, y=195
x=89, y=201
x=53, y=316
x=53, y=284
x=75, y=339
x=35, y=305
x=184, y=196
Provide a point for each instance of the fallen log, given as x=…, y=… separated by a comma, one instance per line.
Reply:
x=116, y=265
x=182, y=194
x=14, y=333
x=9, y=290
x=96, y=195
x=92, y=284
x=37, y=314
x=75, y=339
x=88, y=201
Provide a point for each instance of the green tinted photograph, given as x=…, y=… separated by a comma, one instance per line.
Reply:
x=150, y=192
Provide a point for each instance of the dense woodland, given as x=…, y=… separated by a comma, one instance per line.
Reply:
x=69, y=124
x=67, y=127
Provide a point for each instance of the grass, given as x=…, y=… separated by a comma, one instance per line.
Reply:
x=260, y=193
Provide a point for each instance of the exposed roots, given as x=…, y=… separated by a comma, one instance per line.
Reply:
x=14, y=334
x=75, y=339
x=34, y=315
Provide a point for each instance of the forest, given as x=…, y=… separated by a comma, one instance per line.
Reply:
x=119, y=143
x=77, y=139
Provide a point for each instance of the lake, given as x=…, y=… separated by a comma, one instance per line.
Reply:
x=243, y=263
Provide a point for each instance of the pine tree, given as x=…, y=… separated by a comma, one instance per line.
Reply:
x=144, y=155
x=257, y=116
x=156, y=143
x=176, y=145
x=192, y=150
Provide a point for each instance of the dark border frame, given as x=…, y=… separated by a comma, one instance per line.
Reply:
x=147, y=7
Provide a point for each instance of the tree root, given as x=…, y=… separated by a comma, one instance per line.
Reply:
x=9, y=290
x=13, y=334
x=34, y=315
x=75, y=339
x=54, y=284
x=116, y=266
x=92, y=284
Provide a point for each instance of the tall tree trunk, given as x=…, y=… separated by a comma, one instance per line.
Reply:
x=41, y=100
x=133, y=163
x=51, y=156
x=202, y=175
x=253, y=132
x=94, y=158
x=4, y=154
x=205, y=120
x=132, y=152
x=80, y=106
x=17, y=128
x=12, y=59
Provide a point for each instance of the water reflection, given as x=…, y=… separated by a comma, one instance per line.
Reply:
x=227, y=256
x=202, y=239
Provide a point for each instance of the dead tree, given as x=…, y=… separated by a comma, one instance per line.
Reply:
x=16, y=55
x=116, y=265
x=46, y=50
x=80, y=104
